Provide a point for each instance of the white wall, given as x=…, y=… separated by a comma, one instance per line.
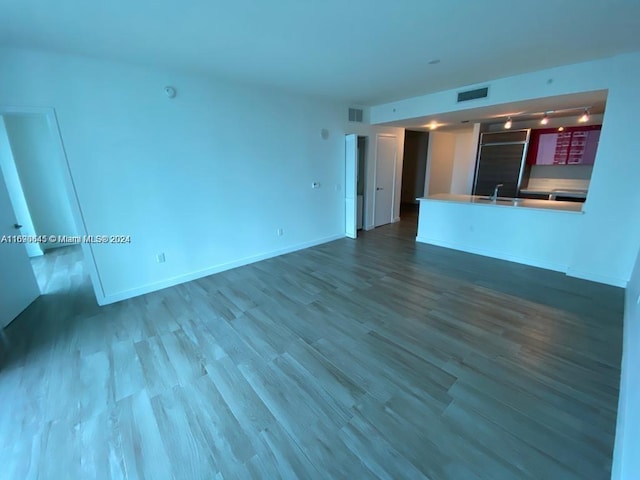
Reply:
x=568, y=79
x=610, y=234
x=464, y=160
x=36, y=158
x=179, y=175
x=607, y=236
x=626, y=458
x=440, y=156
x=451, y=161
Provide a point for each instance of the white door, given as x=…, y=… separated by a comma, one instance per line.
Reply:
x=18, y=286
x=14, y=188
x=351, y=184
x=386, y=154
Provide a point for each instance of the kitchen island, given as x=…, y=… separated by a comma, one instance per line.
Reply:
x=540, y=233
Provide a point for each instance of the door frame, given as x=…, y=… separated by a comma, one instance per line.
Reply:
x=351, y=158
x=62, y=163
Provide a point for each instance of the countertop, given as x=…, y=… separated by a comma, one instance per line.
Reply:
x=572, y=207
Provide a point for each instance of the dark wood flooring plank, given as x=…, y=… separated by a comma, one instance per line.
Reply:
x=143, y=448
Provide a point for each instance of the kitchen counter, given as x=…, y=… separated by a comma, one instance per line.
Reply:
x=541, y=233
x=571, y=207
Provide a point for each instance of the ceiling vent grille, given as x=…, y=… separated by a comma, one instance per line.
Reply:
x=355, y=115
x=473, y=94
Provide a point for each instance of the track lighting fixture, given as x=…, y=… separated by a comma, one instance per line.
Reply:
x=545, y=120
x=584, y=117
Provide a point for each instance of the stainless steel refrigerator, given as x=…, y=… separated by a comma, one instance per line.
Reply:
x=501, y=160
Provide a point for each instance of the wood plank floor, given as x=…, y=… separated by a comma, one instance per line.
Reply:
x=375, y=358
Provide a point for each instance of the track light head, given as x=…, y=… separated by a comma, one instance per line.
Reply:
x=584, y=117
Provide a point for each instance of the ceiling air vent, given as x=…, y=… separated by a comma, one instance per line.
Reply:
x=355, y=115
x=473, y=94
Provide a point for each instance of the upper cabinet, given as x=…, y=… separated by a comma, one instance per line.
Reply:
x=572, y=146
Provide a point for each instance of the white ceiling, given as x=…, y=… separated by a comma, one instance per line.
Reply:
x=361, y=51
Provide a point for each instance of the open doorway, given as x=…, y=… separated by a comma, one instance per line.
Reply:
x=414, y=171
x=361, y=180
x=355, y=184
x=41, y=220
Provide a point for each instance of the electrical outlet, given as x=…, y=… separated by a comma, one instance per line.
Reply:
x=315, y=185
x=160, y=258
x=280, y=232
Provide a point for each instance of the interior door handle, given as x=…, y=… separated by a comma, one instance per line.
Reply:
x=17, y=226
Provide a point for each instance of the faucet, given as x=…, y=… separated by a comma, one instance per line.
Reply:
x=494, y=197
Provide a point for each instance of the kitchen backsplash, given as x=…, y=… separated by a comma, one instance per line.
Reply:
x=550, y=177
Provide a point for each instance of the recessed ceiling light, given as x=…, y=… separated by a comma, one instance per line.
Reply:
x=433, y=125
x=435, y=61
x=561, y=129
x=508, y=124
x=545, y=120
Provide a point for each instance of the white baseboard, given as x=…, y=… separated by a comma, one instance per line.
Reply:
x=607, y=280
x=52, y=246
x=152, y=287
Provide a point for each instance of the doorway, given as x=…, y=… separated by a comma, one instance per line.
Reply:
x=361, y=181
x=414, y=171
x=40, y=220
x=372, y=183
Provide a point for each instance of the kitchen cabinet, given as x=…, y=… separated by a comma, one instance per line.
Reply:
x=573, y=146
x=591, y=148
x=562, y=148
x=547, y=146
